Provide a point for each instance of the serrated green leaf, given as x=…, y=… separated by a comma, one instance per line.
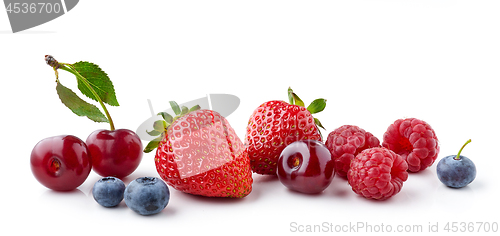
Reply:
x=152, y=144
x=79, y=106
x=98, y=80
x=317, y=105
x=167, y=117
x=175, y=108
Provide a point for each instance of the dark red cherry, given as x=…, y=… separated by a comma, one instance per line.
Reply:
x=115, y=153
x=61, y=163
x=306, y=166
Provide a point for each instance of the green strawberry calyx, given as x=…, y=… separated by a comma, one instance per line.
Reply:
x=160, y=126
x=315, y=107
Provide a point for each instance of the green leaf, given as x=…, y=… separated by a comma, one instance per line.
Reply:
x=317, y=105
x=316, y=121
x=79, y=106
x=175, y=108
x=318, y=124
x=167, y=117
x=195, y=108
x=98, y=80
x=159, y=125
x=153, y=132
x=294, y=99
x=184, y=111
x=153, y=144
x=290, y=96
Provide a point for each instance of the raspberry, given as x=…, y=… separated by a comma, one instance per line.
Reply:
x=345, y=143
x=377, y=173
x=414, y=140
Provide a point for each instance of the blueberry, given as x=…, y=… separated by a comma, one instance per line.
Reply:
x=147, y=195
x=108, y=191
x=456, y=172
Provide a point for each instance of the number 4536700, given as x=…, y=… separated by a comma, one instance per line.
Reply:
x=33, y=8
x=471, y=227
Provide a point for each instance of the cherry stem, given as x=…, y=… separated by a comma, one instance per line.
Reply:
x=458, y=155
x=69, y=68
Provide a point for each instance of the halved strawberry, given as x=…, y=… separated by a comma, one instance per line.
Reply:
x=275, y=124
x=199, y=153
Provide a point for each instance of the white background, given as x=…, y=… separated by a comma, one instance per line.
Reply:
x=374, y=60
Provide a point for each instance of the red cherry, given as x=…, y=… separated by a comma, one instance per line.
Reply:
x=61, y=163
x=306, y=166
x=115, y=153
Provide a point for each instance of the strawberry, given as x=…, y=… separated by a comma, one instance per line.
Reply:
x=199, y=153
x=274, y=125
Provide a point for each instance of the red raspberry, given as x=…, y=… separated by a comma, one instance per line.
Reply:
x=377, y=173
x=345, y=143
x=414, y=140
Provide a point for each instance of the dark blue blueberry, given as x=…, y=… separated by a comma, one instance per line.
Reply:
x=456, y=173
x=147, y=195
x=108, y=191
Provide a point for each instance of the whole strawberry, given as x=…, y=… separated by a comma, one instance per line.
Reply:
x=274, y=125
x=199, y=153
